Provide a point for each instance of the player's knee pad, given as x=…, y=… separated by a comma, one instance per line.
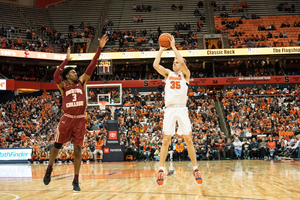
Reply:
x=57, y=145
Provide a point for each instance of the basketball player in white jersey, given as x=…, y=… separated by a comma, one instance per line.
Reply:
x=176, y=96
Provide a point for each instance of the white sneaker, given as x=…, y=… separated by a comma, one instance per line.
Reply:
x=88, y=162
x=81, y=162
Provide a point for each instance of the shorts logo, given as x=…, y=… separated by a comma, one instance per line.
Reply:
x=106, y=150
x=62, y=122
x=112, y=135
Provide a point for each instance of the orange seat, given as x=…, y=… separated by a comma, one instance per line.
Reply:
x=129, y=157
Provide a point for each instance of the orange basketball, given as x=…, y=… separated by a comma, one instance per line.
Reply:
x=164, y=40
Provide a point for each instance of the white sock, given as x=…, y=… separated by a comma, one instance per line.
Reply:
x=162, y=168
x=195, y=167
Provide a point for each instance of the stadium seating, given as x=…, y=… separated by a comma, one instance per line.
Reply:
x=161, y=16
x=249, y=27
x=260, y=8
x=74, y=12
x=266, y=110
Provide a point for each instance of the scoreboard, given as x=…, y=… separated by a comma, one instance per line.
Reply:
x=104, y=67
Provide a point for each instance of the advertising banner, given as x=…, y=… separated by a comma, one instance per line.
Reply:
x=15, y=154
x=2, y=84
x=152, y=54
x=112, y=150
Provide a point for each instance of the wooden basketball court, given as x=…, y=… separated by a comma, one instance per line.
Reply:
x=250, y=179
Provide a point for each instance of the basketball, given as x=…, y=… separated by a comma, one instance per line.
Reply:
x=164, y=40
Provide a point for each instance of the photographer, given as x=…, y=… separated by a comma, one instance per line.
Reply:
x=130, y=148
x=98, y=148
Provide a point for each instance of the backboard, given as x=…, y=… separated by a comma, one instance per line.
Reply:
x=111, y=93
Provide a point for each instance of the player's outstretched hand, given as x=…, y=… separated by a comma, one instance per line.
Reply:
x=172, y=41
x=162, y=48
x=69, y=54
x=103, y=41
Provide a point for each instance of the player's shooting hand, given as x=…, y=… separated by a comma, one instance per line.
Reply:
x=103, y=41
x=172, y=41
x=163, y=48
x=68, y=57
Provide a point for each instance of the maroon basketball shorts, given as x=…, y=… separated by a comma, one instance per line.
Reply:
x=72, y=128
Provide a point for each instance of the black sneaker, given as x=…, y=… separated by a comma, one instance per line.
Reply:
x=76, y=187
x=47, y=177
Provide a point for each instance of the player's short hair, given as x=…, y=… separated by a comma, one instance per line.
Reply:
x=66, y=71
x=184, y=60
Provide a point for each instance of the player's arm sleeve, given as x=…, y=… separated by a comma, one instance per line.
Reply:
x=56, y=77
x=91, y=67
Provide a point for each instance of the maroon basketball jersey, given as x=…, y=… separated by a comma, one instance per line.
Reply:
x=74, y=99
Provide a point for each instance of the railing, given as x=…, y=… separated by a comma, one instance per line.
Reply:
x=204, y=43
x=100, y=25
x=222, y=118
x=55, y=4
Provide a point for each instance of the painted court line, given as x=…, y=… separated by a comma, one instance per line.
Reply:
x=17, y=197
x=153, y=193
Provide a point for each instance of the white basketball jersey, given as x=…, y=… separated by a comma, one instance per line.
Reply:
x=176, y=90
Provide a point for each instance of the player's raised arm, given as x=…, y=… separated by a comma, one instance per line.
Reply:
x=160, y=69
x=180, y=59
x=89, y=71
x=56, y=77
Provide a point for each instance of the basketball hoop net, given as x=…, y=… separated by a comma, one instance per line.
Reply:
x=102, y=105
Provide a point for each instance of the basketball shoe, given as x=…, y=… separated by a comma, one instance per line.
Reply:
x=160, y=178
x=76, y=187
x=47, y=177
x=198, y=178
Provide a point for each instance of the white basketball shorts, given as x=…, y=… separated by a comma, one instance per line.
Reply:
x=179, y=114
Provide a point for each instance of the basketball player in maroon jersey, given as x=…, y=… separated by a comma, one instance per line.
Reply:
x=72, y=124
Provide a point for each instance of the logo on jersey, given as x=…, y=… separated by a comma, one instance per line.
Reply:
x=106, y=150
x=175, y=78
x=112, y=135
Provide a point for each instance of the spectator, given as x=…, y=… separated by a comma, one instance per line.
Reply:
x=271, y=147
x=179, y=148
x=254, y=149
x=147, y=151
x=173, y=7
x=292, y=8
x=263, y=149
x=229, y=149
x=157, y=154
x=246, y=149
x=284, y=35
x=200, y=4
x=287, y=7
x=237, y=147
x=180, y=7
x=98, y=148
x=140, y=19
x=233, y=9
x=241, y=9
x=220, y=148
